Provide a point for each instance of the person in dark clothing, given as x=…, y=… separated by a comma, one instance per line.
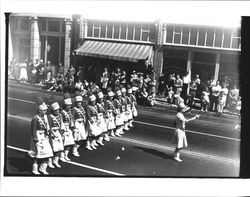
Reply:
x=161, y=85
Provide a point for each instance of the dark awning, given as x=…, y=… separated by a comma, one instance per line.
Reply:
x=115, y=51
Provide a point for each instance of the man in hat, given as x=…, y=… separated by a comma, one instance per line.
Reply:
x=94, y=129
x=102, y=116
x=67, y=133
x=111, y=112
x=79, y=117
x=119, y=118
x=40, y=148
x=55, y=123
x=180, y=135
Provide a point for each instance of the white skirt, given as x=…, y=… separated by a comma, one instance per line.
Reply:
x=103, y=123
x=57, y=141
x=134, y=111
x=42, y=148
x=94, y=129
x=181, y=139
x=67, y=136
x=23, y=73
x=119, y=119
x=80, y=132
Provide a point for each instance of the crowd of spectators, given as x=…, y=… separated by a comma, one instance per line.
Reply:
x=212, y=95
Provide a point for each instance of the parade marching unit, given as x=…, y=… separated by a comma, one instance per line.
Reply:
x=59, y=131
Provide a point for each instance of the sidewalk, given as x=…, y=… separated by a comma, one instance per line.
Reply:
x=161, y=103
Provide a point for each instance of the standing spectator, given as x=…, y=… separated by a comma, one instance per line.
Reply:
x=178, y=84
x=23, y=77
x=104, y=80
x=143, y=97
x=41, y=72
x=11, y=66
x=233, y=95
x=222, y=99
x=185, y=91
x=48, y=71
x=134, y=79
x=147, y=82
x=123, y=78
x=205, y=102
x=152, y=86
x=140, y=81
x=177, y=98
x=170, y=83
x=79, y=86
x=170, y=96
x=198, y=83
x=16, y=71
x=29, y=68
x=79, y=74
x=192, y=93
x=60, y=70
x=161, y=85
x=72, y=70
x=214, y=97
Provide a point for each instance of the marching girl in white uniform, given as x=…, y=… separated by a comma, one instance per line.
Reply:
x=79, y=117
x=55, y=123
x=102, y=115
x=68, y=126
x=134, y=102
x=94, y=128
x=119, y=117
x=40, y=148
x=125, y=109
x=180, y=134
x=111, y=112
x=129, y=106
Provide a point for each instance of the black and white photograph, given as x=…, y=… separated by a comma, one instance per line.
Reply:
x=108, y=92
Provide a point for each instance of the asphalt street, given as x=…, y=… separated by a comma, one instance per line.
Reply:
x=145, y=150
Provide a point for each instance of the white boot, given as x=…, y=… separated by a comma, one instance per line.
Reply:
x=177, y=157
x=50, y=163
x=55, y=162
x=112, y=133
x=95, y=143
x=62, y=157
x=100, y=141
x=88, y=145
x=126, y=126
x=130, y=123
x=43, y=168
x=35, y=168
x=106, y=137
x=66, y=153
x=92, y=144
x=117, y=133
x=75, y=150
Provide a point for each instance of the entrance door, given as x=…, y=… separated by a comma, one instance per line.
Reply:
x=53, y=49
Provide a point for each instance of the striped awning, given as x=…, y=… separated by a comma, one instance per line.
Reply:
x=115, y=51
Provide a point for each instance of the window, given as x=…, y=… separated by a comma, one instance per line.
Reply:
x=123, y=31
x=90, y=29
x=103, y=30
x=170, y=30
x=210, y=37
x=185, y=35
x=201, y=38
x=130, y=31
x=193, y=36
x=116, y=31
x=44, y=25
x=54, y=26
x=24, y=24
x=235, y=42
x=218, y=38
x=109, y=30
x=177, y=34
x=137, y=32
x=227, y=38
x=96, y=30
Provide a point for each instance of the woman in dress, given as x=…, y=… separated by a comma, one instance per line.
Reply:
x=180, y=135
x=55, y=123
x=79, y=117
x=40, y=148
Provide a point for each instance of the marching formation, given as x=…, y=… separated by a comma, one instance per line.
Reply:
x=57, y=132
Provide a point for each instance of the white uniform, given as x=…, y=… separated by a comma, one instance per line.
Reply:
x=180, y=131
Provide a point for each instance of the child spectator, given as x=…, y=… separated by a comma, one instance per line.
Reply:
x=170, y=95
x=205, y=102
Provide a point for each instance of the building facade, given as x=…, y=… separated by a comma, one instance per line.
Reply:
x=210, y=51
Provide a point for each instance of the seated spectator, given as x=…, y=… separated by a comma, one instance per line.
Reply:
x=51, y=85
x=205, y=102
x=177, y=98
x=142, y=97
x=151, y=99
x=79, y=86
x=170, y=96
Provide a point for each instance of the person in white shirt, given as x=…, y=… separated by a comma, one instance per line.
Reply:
x=214, y=96
x=222, y=99
x=180, y=135
x=186, y=81
x=205, y=102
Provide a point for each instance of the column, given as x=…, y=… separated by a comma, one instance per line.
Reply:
x=189, y=66
x=67, y=45
x=158, y=62
x=11, y=37
x=217, y=67
x=35, y=39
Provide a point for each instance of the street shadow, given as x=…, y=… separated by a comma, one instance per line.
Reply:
x=155, y=152
x=22, y=165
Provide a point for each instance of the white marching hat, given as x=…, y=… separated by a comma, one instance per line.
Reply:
x=92, y=98
x=130, y=90
x=55, y=106
x=123, y=90
x=68, y=101
x=42, y=106
x=100, y=95
x=134, y=88
x=111, y=94
x=79, y=99
x=118, y=92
